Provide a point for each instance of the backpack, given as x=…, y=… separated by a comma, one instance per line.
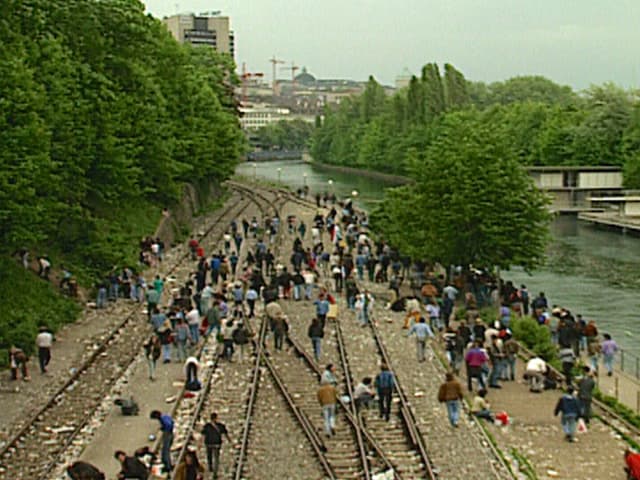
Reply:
x=240, y=336
x=385, y=380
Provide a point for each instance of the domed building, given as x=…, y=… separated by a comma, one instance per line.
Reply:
x=305, y=78
x=403, y=79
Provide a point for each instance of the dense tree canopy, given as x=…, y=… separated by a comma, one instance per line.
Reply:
x=285, y=135
x=464, y=144
x=101, y=111
x=103, y=119
x=543, y=123
x=471, y=202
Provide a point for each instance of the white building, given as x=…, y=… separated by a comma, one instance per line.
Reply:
x=252, y=117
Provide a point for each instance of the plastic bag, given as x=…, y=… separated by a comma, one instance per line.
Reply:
x=581, y=426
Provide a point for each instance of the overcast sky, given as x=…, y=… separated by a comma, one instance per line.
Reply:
x=574, y=42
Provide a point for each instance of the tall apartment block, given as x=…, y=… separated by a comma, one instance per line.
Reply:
x=209, y=30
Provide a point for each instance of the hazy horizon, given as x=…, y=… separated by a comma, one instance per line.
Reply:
x=576, y=42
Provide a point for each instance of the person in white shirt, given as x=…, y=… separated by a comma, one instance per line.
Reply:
x=191, y=367
x=363, y=393
x=44, y=340
x=193, y=320
x=535, y=370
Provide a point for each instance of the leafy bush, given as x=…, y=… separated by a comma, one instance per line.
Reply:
x=29, y=302
x=535, y=337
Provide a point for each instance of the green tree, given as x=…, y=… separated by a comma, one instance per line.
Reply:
x=434, y=99
x=456, y=93
x=471, y=203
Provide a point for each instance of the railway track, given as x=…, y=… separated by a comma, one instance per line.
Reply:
x=34, y=451
x=229, y=398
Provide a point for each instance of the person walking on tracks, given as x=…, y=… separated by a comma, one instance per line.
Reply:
x=212, y=433
x=328, y=397
x=166, y=426
x=450, y=393
x=189, y=468
x=316, y=333
x=422, y=332
x=384, y=384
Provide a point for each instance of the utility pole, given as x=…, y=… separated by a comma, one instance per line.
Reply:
x=274, y=62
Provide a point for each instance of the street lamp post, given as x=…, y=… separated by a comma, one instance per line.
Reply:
x=304, y=179
x=255, y=172
x=279, y=174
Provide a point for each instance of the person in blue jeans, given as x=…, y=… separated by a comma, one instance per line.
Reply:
x=569, y=406
x=384, y=383
x=166, y=427
x=316, y=332
x=322, y=308
x=450, y=393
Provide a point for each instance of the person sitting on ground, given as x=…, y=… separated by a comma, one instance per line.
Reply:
x=84, y=471
x=131, y=467
x=363, y=393
x=480, y=406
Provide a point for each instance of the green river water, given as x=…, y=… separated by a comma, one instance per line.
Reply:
x=588, y=270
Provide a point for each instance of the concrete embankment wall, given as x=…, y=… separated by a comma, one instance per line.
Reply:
x=397, y=179
x=195, y=198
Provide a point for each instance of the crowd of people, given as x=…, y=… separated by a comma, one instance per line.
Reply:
x=336, y=256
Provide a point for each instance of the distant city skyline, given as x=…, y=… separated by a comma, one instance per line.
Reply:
x=573, y=42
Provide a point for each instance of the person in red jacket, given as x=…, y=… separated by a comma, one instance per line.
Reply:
x=632, y=462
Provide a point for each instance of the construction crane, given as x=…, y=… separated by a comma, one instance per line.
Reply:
x=294, y=68
x=274, y=61
x=245, y=77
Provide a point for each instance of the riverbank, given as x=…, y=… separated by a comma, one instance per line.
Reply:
x=394, y=180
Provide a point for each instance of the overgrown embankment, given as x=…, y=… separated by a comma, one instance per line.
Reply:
x=104, y=118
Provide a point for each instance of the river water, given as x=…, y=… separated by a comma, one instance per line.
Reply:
x=590, y=271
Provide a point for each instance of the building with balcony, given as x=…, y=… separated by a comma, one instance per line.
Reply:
x=207, y=30
x=252, y=117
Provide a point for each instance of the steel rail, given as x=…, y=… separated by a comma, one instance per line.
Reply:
x=314, y=439
x=88, y=416
x=352, y=405
x=207, y=386
x=253, y=393
x=405, y=411
x=348, y=415
x=59, y=394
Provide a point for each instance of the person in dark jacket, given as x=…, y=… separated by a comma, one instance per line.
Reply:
x=585, y=392
x=316, y=332
x=84, y=471
x=569, y=408
x=131, y=467
x=384, y=383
